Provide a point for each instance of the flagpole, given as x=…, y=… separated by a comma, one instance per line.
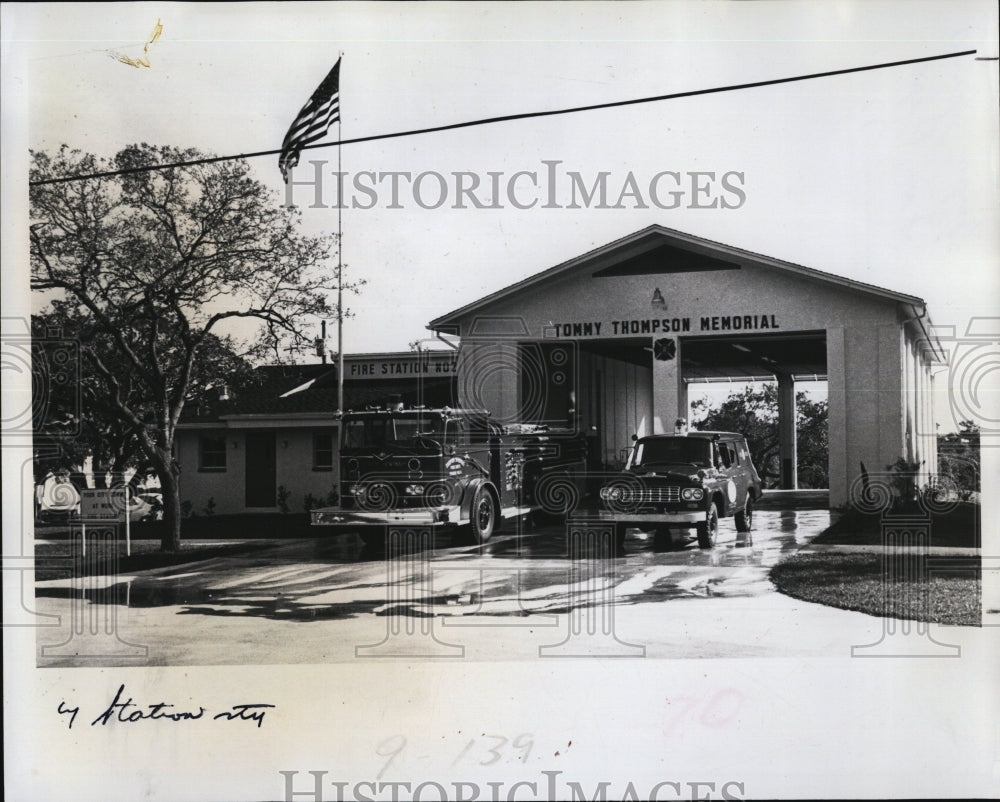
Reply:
x=340, y=258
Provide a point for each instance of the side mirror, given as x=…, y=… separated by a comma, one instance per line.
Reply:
x=635, y=437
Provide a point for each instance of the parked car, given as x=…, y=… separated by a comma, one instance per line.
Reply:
x=146, y=505
x=56, y=500
x=675, y=483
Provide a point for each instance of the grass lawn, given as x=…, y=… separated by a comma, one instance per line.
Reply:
x=54, y=554
x=952, y=594
x=204, y=527
x=54, y=559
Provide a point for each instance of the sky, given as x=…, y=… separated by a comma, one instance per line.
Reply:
x=888, y=177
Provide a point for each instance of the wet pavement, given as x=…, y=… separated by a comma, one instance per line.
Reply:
x=523, y=570
x=530, y=592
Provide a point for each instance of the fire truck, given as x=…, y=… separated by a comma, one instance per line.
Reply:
x=448, y=468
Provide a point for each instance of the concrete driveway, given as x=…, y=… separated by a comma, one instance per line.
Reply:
x=519, y=597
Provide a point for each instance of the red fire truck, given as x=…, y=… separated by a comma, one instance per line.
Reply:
x=446, y=468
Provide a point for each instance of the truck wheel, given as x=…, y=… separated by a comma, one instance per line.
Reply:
x=662, y=539
x=484, y=515
x=709, y=530
x=620, y=535
x=744, y=517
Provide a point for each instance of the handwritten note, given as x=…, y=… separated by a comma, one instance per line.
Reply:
x=123, y=709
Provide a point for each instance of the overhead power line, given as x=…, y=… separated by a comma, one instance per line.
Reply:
x=511, y=117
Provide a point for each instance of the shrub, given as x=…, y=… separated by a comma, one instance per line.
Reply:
x=904, y=481
x=283, y=496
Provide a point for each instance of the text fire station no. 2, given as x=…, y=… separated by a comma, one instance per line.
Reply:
x=435, y=367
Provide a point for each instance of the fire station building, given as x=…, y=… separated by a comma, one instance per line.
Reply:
x=613, y=339
x=275, y=447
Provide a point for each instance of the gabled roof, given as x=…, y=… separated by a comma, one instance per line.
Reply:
x=634, y=245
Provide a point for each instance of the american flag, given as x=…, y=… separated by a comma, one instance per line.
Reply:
x=311, y=124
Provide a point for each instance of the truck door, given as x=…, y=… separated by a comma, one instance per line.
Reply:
x=737, y=474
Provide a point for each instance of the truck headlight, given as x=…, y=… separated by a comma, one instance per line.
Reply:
x=612, y=493
x=692, y=494
x=414, y=490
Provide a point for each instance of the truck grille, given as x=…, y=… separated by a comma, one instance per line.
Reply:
x=659, y=495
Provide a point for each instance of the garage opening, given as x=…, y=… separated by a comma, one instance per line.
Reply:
x=772, y=389
x=602, y=388
x=616, y=399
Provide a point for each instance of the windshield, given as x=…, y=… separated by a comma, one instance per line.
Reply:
x=673, y=451
x=379, y=430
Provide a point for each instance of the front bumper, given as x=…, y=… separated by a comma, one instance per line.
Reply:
x=422, y=516
x=686, y=517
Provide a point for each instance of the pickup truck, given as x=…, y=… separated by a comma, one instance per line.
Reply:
x=680, y=482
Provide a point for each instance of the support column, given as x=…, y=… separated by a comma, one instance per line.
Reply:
x=923, y=434
x=670, y=398
x=837, y=428
x=932, y=421
x=909, y=394
x=927, y=434
x=918, y=445
x=787, y=435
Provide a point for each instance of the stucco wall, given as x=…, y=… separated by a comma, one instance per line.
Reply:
x=865, y=394
x=799, y=304
x=293, y=465
x=224, y=487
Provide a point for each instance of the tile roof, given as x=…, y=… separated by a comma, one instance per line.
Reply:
x=321, y=397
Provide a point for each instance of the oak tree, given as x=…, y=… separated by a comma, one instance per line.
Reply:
x=151, y=269
x=753, y=412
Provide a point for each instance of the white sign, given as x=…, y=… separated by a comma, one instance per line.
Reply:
x=101, y=504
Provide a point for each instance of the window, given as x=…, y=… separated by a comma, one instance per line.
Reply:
x=673, y=451
x=728, y=454
x=455, y=430
x=212, y=452
x=735, y=451
x=379, y=429
x=323, y=451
